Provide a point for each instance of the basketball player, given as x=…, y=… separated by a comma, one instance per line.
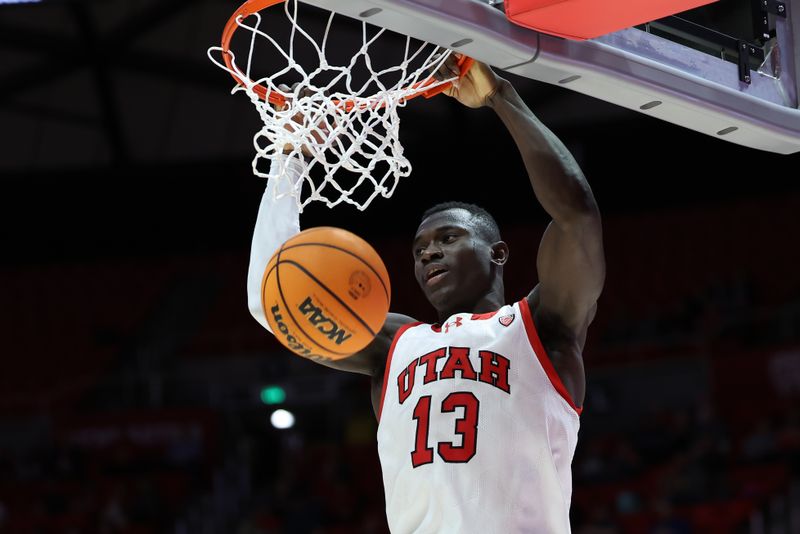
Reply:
x=479, y=413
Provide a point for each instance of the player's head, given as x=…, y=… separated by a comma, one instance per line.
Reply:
x=458, y=256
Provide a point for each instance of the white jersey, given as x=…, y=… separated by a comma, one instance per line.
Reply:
x=476, y=431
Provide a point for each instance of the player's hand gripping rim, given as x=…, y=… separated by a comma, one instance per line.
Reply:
x=475, y=88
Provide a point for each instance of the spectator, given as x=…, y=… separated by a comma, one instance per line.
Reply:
x=599, y=521
x=760, y=444
x=666, y=520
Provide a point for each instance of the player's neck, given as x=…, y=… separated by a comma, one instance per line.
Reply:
x=493, y=300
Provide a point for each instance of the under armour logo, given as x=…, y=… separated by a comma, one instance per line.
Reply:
x=455, y=323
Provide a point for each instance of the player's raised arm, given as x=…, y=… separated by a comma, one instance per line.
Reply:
x=278, y=220
x=570, y=264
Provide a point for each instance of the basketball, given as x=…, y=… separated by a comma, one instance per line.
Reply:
x=325, y=293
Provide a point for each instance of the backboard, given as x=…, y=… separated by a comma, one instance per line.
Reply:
x=751, y=102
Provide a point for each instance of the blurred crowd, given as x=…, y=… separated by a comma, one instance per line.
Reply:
x=90, y=441
x=672, y=473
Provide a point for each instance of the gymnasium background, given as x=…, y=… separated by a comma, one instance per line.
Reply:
x=133, y=381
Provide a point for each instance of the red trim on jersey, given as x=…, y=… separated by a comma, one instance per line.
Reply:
x=483, y=316
x=541, y=354
x=389, y=361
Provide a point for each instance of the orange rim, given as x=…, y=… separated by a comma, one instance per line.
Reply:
x=251, y=7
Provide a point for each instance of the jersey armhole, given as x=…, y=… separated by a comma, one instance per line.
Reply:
x=541, y=355
x=388, y=367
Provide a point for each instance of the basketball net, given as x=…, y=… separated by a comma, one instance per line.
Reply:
x=347, y=128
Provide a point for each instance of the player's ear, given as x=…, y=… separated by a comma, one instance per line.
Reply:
x=499, y=253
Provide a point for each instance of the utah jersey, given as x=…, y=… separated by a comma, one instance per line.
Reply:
x=476, y=431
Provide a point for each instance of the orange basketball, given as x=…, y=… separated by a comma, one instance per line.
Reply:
x=325, y=293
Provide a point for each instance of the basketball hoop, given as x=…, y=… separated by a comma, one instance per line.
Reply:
x=342, y=117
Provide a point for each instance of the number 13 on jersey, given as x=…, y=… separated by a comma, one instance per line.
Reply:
x=466, y=427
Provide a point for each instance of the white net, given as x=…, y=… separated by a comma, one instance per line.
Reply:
x=341, y=117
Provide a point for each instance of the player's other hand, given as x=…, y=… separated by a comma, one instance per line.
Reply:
x=475, y=88
x=318, y=132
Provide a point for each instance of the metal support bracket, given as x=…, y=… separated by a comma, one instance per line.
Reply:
x=776, y=7
x=497, y=4
x=744, y=60
x=761, y=10
x=746, y=55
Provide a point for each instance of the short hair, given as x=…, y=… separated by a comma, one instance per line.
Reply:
x=482, y=220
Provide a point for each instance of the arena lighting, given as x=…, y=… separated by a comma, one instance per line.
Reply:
x=273, y=395
x=282, y=419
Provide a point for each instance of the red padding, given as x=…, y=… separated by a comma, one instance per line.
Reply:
x=585, y=19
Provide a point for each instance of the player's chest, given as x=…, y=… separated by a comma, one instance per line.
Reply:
x=470, y=348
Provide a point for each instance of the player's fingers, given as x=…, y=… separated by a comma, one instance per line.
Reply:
x=320, y=135
x=448, y=69
x=301, y=90
x=440, y=74
x=445, y=73
x=284, y=89
x=452, y=65
x=329, y=124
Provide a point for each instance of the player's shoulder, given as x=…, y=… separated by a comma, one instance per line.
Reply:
x=395, y=322
x=373, y=356
x=371, y=360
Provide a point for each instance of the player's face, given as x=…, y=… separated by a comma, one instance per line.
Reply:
x=452, y=263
